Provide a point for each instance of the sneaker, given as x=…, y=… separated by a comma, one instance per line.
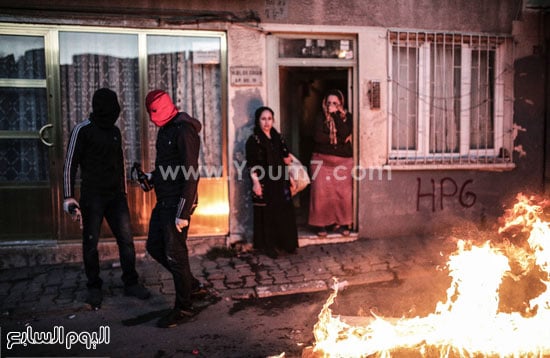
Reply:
x=137, y=290
x=200, y=304
x=175, y=318
x=94, y=298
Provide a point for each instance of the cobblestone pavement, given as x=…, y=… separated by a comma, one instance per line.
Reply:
x=62, y=287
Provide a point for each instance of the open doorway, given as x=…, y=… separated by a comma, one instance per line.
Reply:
x=301, y=91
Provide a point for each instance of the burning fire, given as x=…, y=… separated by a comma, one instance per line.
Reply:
x=473, y=321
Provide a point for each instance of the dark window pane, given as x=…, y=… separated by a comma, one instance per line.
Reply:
x=22, y=57
x=482, y=99
x=23, y=160
x=23, y=109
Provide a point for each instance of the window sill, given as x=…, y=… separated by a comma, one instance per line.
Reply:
x=488, y=167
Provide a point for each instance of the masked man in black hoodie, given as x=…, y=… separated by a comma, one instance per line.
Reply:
x=177, y=151
x=95, y=146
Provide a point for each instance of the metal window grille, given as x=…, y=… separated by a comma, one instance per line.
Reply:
x=446, y=99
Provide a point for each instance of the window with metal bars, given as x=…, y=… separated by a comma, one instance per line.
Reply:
x=446, y=99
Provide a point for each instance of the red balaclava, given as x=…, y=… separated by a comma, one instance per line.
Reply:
x=160, y=107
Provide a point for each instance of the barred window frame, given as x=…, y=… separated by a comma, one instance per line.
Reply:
x=416, y=129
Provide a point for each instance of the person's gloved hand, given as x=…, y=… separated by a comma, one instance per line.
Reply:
x=181, y=224
x=69, y=205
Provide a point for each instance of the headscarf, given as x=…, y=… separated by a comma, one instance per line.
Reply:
x=329, y=120
x=276, y=137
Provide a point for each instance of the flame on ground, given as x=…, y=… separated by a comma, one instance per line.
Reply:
x=472, y=321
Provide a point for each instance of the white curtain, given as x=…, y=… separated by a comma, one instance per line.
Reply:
x=404, y=98
x=195, y=89
x=444, y=100
x=86, y=74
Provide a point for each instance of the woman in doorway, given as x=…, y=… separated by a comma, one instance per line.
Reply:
x=267, y=156
x=332, y=161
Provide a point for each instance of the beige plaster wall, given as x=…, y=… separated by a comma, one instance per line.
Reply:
x=246, y=48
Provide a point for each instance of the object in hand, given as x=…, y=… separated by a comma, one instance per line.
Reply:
x=141, y=177
x=76, y=215
x=73, y=209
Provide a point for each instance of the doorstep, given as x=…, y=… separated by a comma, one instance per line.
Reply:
x=306, y=238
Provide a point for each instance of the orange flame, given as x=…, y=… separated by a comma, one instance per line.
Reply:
x=471, y=321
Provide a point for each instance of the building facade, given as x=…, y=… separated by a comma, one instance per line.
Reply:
x=448, y=102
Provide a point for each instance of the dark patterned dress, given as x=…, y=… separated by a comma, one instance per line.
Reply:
x=274, y=220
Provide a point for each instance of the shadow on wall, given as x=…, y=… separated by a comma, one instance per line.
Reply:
x=529, y=111
x=245, y=104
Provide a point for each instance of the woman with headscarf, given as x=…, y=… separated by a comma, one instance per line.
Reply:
x=267, y=157
x=332, y=162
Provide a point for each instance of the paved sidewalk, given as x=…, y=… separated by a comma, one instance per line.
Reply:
x=33, y=291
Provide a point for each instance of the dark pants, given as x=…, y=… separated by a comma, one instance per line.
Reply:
x=169, y=247
x=115, y=210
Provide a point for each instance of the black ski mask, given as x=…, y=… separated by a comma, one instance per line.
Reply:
x=105, y=108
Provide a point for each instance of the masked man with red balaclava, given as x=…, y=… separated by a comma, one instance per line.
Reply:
x=177, y=151
x=95, y=146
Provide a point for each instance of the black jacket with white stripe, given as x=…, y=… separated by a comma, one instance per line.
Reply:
x=176, y=174
x=97, y=150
